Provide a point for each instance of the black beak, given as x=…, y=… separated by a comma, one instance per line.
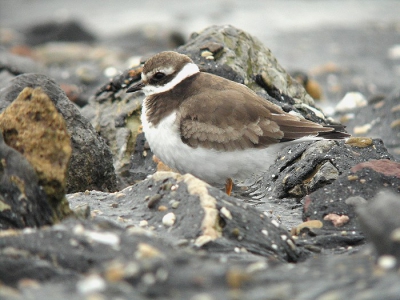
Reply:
x=136, y=87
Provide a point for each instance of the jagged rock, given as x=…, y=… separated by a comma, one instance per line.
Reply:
x=305, y=168
x=23, y=203
x=91, y=161
x=204, y=216
x=335, y=204
x=32, y=126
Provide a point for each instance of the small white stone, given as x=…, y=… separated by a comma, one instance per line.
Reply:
x=90, y=284
x=169, y=219
x=225, y=212
x=394, y=52
x=351, y=101
x=275, y=223
x=395, y=235
x=387, y=262
x=107, y=238
x=264, y=232
x=143, y=223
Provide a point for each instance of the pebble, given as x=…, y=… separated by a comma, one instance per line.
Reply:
x=362, y=129
x=169, y=219
x=145, y=250
x=337, y=220
x=154, y=200
x=174, y=204
x=350, y=101
x=360, y=142
x=395, y=235
x=162, y=208
x=308, y=224
x=387, y=262
x=143, y=223
x=90, y=284
x=226, y=213
x=206, y=54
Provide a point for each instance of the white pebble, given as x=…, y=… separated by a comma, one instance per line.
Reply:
x=351, y=101
x=169, y=219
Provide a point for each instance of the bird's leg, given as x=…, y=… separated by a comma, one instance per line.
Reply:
x=228, y=186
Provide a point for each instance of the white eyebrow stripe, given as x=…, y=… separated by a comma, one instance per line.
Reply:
x=188, y=70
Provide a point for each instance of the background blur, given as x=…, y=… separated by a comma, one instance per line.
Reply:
x=361, y=37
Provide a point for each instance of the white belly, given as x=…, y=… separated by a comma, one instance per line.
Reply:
x=207, y=164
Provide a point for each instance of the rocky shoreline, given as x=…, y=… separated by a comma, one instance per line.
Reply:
x=83, y=215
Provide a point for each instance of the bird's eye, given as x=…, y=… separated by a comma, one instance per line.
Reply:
x=158, y=76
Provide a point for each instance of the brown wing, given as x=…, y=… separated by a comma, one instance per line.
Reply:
x=230, y=116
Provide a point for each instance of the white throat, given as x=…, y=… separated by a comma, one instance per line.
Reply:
x=188, y=70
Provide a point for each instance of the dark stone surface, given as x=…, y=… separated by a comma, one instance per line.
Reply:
x=67, y=31
x=363, y=181
x=204, y=215
x=306, y=167
x=383, y=116
x=91, y=161
x=23, y=202
x=379, y=220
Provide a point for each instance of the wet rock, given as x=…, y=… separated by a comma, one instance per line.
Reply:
x=334, y=204
x=217, y=222
x=379, y=120
x=23, y=203
x=380, y=222
x=32, y=126
x=304, y=168
x=91, y=161
x=71, y=31
x=81, y=259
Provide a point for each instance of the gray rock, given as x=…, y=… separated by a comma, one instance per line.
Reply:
x=363, y=181
x=91, y=161
x=380, y=222
x=304, y=168
x=204, y=216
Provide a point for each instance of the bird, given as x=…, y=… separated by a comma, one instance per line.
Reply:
x=213, y=128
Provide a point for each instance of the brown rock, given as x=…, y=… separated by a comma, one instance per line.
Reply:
x=32, y=126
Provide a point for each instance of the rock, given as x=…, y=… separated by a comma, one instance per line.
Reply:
x=378, y=120
x=304, y=168
x=23, y=203
x=216, y=220
x=363, y=181
x=87, y=259
x=351, y=101
x=32, y=126
x=70, y=31
x=16, y=65
x=91, y=161
x=380, y=222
